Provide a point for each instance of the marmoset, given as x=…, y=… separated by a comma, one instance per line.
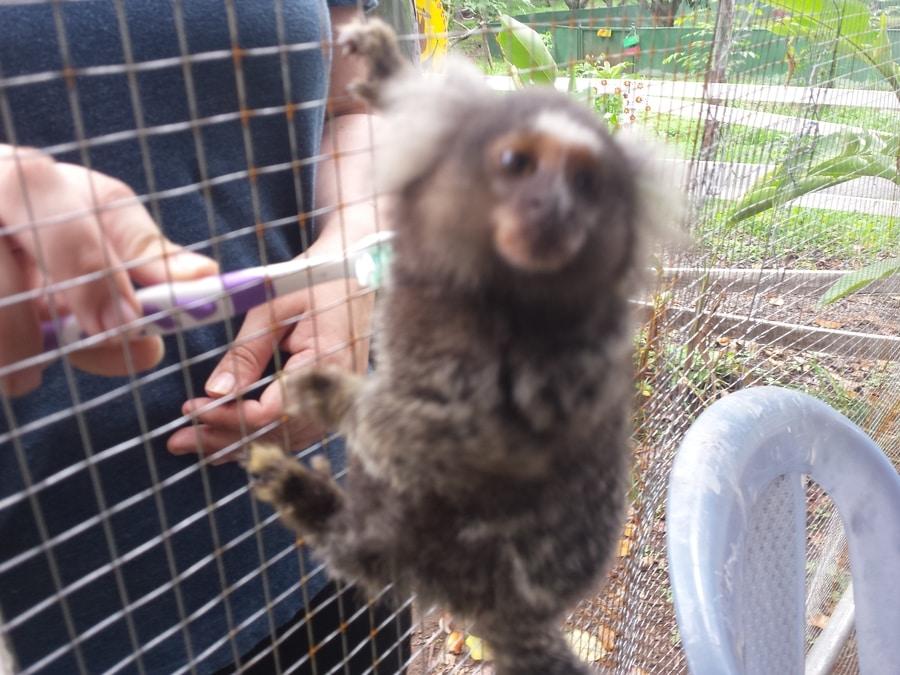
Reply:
x=490, y=447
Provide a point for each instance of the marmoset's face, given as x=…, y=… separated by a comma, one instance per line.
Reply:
x=559, y=186
x=546, y=179
x=533, y=185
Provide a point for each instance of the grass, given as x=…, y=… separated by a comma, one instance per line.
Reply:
x=867, y=118
x=807, y=238
x=737, y=143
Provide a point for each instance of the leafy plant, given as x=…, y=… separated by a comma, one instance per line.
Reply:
x=845, y=26
x=474, y=16
x=832, y=160
x=610, y=106
x=486, y=10
x=525, y=52
x=855, y=281
x=530, y=61
x=693, y=59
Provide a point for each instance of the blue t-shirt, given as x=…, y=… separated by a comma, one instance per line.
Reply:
x=117, y=542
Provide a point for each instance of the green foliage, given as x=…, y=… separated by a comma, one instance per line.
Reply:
x=806, y=237
x=609, y=106
x=487, y=10
x=855, y=281
x=693, y=59
x=819, y=379
x=845, y=26
x=867, y=118
x=737, y=142
x=706, y=373
x=858, y=153
x=525, y=52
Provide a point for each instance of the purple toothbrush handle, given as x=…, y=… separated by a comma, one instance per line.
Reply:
x=246, y=289
x=49, y=335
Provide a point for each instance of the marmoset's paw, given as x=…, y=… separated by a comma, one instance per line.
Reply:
x=376, y=42
x=323, y=395
x=268, y=466
x=304, y=499
x=371, y=39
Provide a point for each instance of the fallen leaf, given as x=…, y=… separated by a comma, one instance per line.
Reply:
x=478, y=650
x=625, y=545
x=586, y=646
x=455, y=642
x=825, y=323
x=724, y=340
x=607, y=638
x=819, y=621
x=778, y=302
x=628, y=530
x=637, y=671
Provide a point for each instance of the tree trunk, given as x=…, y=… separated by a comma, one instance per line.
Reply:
x=718, y=69
x=486, y=46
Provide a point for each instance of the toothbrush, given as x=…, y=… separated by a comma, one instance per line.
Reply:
x=182, y=305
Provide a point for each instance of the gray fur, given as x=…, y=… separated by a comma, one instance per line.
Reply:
x=490, y=446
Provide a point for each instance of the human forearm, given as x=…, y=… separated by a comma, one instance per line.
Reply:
x=345, y=183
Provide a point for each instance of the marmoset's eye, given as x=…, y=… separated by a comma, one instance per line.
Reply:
x=515, y=162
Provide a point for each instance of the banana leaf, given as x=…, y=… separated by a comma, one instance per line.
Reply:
x=527, y=55
x=833, y=160
x=854, y=281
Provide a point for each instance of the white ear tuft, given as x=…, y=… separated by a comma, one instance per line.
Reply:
x=661, y=198
x=420, y=115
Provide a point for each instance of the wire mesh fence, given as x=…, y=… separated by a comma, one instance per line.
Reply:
x=132, y=544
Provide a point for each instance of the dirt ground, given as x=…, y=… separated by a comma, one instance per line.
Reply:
x=433, y=648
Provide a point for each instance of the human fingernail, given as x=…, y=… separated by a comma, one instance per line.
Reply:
x=220, y=384
x=117, y=313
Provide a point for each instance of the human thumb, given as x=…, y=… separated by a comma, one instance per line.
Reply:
x=248, y=356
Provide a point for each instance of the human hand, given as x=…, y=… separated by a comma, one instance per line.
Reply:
x=334, y=327
x=74, y=232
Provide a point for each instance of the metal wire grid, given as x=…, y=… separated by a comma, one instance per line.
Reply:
x=18, y=434
x=710, y=310
x=634, y=611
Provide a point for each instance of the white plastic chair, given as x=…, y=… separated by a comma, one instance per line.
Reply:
x=736, y=521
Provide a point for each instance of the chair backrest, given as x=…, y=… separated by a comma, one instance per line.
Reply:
x=736, y=523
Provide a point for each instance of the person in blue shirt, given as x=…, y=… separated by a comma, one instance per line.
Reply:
x=129, y=541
